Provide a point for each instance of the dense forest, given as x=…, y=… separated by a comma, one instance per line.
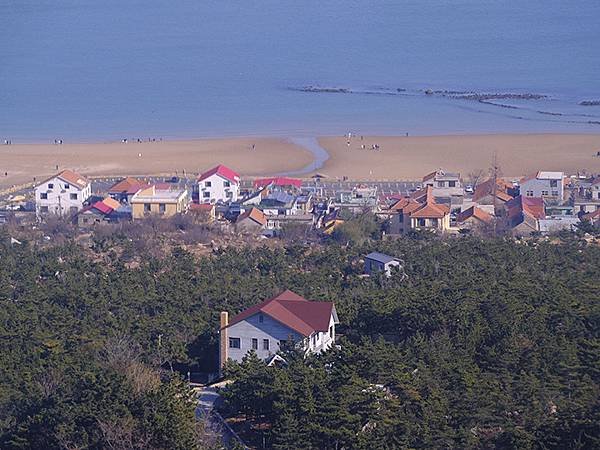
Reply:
x=484, y=344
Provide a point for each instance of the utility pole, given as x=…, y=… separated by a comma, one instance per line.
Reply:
x=495, y=188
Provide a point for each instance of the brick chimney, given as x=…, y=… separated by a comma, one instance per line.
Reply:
x=223, y=342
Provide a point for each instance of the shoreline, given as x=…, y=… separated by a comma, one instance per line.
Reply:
x=398, y=157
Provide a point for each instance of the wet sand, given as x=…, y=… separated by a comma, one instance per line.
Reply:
x=25, y=161
x=413, y=157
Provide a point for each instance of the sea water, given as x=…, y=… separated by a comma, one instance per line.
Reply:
x=112, y=69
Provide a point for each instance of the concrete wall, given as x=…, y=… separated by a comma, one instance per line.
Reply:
x=214, y=189
x=59, y=199
x=138, y=210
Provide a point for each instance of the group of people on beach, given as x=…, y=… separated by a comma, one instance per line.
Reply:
x=362, y=146
x=140, y=140
x=7, y=142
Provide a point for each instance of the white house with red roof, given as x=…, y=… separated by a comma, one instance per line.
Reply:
x=62, y=194
x=265, y=327
x=219, y=184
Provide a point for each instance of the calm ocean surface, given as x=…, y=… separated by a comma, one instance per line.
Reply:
x=107, y=69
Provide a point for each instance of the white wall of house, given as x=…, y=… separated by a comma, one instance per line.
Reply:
x=547, y=188
x=265, y=329
x=322, y=340
x=59, y=197
x=251, y=334
x=216, y=188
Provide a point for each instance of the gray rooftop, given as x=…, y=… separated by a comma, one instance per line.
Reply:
x=381, y=257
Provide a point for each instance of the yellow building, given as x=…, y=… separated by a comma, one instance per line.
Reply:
x=158, y=201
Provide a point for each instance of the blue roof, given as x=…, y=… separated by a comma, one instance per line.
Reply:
x=380, y=257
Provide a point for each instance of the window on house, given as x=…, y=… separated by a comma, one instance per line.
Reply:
x=434, y=222
x=226, y=183
x=265, y=344
x=421, y=222
x=207, y=184
x=85, y=220
x=555, y=193
x=73, y=209
x=282, y=343
x=261, y=318
x=529, y=193
x=314, y=339
x=544, y=193
x=147, y=207
x=451, y=183
x=229, y=194
x=440, y=184
x=50, y=185
x=73, y=196
x=400, y=218
x=234, y=342
x=254, y=344
x=67, y=186
x=44, y=196
x=206, y=194
x=553, y=183
x=331, y=331
x=43, y=209
x=162, y=208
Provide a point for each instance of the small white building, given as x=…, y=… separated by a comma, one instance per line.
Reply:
x=266, y=327
x=380, y=262
x=219, y=184
x=544, y=184
x=63, y=194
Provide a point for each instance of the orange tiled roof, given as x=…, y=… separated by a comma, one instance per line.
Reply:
x=70, y=177
x=474, y=212
x=127, y=185
x=255, y=214
x=486, y=188
x=431, y=210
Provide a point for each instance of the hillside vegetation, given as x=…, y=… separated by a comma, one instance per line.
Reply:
x=485, y=344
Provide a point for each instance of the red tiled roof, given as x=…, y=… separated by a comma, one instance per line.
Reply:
x=105, y=206
x=222, y=171
x=278, y=181
x=293, y=311
x=127, y=186
x=475, y=212
x=532, y=206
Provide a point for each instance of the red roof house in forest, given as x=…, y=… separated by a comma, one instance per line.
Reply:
x=265, y=327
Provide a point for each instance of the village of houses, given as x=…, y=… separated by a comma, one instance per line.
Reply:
x=542, y=203
x=539, y=204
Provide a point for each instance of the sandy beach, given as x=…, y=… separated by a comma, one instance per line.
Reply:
x=22, y=162
x=406, y=158
x=412, y=157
